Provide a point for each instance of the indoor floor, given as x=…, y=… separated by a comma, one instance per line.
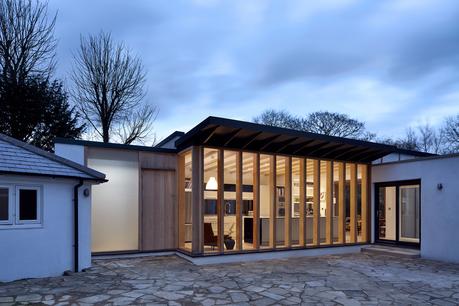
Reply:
x=353, y=279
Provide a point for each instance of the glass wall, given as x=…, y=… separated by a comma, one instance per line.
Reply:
x=297, y=200
x=211, y=205
x=229, y=203
x=267, y=203
x=281, y=204
x=248, y=161
x=185, y=209
x=288, y=202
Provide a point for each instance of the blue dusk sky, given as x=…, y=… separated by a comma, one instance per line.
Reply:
x=392, y=64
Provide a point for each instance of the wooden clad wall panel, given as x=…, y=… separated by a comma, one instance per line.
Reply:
x=159, y=210
x=159, y=161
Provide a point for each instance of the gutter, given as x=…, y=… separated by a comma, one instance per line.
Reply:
x=75, y=226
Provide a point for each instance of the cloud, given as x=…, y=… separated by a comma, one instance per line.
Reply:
x=389, y=63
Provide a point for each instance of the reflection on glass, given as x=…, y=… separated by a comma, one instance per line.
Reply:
x=186, y=207
x=409, y=213
x=210, y=200
x=347, y=203
x=247, y=200
x=295, y=222
x=335, y=202
x=359, y=203
x=280, y=200
x=309, y=201
x=266, y=203
x=229, y=203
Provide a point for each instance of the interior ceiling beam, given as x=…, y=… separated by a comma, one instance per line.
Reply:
x=328, y=148
x=251, y=140
x=303, y=146
x=347, y=152
x=269, y=141
x=309, y=150
x=349, y=155
x=230, y=137
x=363, y=154
x=286, y=144
x=207, y=135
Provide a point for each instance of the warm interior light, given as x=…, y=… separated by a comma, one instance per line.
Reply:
x=212, y=184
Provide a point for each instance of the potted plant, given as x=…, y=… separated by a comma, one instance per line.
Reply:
x=228, y=240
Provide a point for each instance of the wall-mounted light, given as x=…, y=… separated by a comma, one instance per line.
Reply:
x=212, y=184
x=439, y=186
x=86, y=192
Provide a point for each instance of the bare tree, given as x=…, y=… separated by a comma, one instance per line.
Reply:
x=109, y=89
x=27, y=44
x=335, y=124
x=278, y=118
x=430, y=139
x=451, y=134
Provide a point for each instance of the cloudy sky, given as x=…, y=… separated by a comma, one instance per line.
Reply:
x=392, y=64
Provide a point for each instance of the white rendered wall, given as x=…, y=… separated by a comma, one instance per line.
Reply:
x=46, y=250
x=115, y=210
x=439, y=208
x=72, y=152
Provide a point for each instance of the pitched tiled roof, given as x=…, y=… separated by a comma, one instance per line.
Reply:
x=20, y=158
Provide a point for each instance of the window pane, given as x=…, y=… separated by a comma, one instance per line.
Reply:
x=229, y=209
x=211, y=217
x=266, y=198
x=28, y=204
x=247, y=200
x=4, y=204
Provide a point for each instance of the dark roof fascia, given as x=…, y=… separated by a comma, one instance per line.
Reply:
x=169, y=138
x=96, y=175
x=97, y=144
x=3, y=172
x=415, y=153
x=277, y=130
x=418, y=159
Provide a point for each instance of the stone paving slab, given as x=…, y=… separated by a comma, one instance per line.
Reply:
x=352, y=279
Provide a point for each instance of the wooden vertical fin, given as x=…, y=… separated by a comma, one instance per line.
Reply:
x=341, y=203
x=353, y=206
x=256, y=201
x=364, y=204
x=329, y=203
x=316, y=205
x=273, y=201
x=197, y=200
x=302, y=208
x=288, y=202
x=239, y=183
x=220, y=200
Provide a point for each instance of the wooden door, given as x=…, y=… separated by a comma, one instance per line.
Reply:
x=159, y=210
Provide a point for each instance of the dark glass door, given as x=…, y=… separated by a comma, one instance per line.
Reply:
x=398, y=212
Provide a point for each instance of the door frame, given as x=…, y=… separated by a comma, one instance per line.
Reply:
x=397, y=185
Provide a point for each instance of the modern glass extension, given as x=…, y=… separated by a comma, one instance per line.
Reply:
x=242, y=201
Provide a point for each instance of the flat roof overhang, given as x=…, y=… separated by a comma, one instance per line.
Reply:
x=241, y=135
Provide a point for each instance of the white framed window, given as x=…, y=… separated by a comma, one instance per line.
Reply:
x=6, y=204
x=28, y=205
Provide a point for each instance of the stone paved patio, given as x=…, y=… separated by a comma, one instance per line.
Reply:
x=365, y=279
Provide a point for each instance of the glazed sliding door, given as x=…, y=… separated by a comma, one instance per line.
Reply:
x=398, y=212
x=409, y=213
